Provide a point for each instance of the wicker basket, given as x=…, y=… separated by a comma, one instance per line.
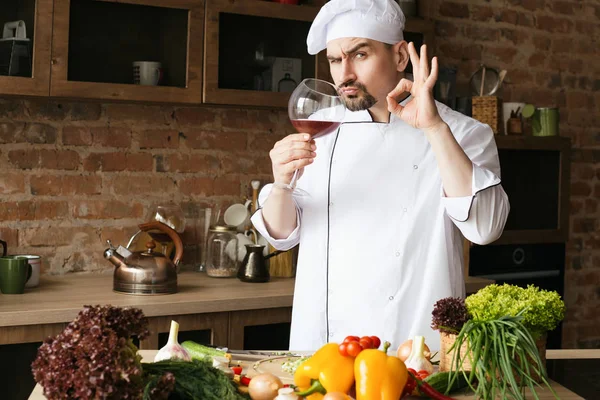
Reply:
x=446, y=356
x=488, y=110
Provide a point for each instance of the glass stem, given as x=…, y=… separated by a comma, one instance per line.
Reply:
x=293, y=181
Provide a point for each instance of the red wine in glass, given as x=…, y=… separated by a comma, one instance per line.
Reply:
x=315, y=127
x=315, y=107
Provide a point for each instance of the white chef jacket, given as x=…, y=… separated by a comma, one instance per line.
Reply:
x=379, y=241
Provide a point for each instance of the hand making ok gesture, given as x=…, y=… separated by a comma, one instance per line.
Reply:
x=421, y=111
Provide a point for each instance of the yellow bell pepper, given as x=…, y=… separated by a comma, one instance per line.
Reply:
x=326, y=371
x=379, y=377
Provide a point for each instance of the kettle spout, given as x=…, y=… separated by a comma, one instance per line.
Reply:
x=115, y=258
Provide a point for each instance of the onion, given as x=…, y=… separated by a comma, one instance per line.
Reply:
x=405, y=348
x=264, y=386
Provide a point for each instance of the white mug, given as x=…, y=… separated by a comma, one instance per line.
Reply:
x=147, y=73
x=238, y=215
x=35, y=262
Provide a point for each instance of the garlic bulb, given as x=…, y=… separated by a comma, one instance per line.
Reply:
x=417, y=360
x=173, y=350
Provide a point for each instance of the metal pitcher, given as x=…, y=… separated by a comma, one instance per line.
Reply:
x=254, y=267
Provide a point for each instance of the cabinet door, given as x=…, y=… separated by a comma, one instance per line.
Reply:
x=96, y=43
x=246, y=44
x=25, y=65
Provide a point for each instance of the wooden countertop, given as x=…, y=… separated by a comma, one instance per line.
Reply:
x=544, y=394
x=59, y=298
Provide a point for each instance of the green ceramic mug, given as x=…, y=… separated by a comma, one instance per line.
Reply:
x=15, y=271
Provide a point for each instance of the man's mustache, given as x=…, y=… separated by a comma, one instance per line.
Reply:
x=353, y=84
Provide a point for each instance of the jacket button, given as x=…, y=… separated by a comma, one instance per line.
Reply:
x=397, y=254
x=391, y=298
x=405, y=209
x=415, y=166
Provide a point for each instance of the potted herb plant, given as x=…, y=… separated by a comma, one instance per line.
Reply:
x=498, y=336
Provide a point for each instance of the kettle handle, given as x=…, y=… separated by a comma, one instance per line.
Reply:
x=169, y=231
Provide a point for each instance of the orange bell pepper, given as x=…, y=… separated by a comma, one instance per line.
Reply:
x=326, y=371
x=379, y=377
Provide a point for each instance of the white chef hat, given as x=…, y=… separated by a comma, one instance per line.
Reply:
x=380, y=20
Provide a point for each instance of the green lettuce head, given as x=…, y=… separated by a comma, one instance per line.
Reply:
x=542, y=309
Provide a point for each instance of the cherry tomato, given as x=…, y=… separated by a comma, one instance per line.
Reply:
x=351, y=339
x=376, y=342
x=343, y=348
x=353, y=349
x=366, y=342
x=237, y=370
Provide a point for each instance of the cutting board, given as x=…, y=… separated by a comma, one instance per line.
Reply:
x=544, y=394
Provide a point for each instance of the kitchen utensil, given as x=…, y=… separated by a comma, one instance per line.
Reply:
x=273, y=365
x=255, y=185
x=507, y=112
x=501, y=77
x=315, y=107
x=149, y=73
x=238, y=215
x=485, y=81
x=35, y=262
x=15, y=50
x=222, y=253
x=202, y=219
x=15, y=271
x=146, y=272
x=544, y=120
x=254, y=267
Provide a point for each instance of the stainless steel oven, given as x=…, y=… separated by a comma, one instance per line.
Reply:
x=542, y=265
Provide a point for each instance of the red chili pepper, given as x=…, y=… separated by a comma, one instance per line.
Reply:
x=237, y=370
x=427, y=390
x=244, y=380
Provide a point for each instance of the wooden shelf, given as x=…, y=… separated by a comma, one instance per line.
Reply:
x=93, y=59
x=37, y=15
x=536, y=176
x=280, y=29
x=83, y=49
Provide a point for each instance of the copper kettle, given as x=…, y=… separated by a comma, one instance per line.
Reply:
x=146, y=272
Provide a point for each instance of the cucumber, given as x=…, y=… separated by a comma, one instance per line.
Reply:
x=200, y=352
x=439, y=381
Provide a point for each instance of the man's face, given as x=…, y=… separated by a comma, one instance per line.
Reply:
x=364, y=70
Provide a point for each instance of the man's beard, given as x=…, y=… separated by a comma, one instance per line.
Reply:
x=361, y=101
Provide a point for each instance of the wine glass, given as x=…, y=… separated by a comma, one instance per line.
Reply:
x=315, y=107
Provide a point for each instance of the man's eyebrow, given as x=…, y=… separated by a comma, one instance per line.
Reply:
x=351, y=50
x=357, y=47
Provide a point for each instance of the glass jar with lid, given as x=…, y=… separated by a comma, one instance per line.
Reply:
x=222, y=260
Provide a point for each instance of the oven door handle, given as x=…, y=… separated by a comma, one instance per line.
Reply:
x=522, y=275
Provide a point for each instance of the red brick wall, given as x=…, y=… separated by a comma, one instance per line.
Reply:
x=76, y=174
x=550, y=49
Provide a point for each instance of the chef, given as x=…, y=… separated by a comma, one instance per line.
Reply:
x=386, y=199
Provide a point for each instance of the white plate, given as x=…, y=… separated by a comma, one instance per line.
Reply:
x=272, y=365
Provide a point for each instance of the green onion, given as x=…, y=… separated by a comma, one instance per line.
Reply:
x=502, y=352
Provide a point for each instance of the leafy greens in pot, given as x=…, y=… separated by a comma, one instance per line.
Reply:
x=541, y=310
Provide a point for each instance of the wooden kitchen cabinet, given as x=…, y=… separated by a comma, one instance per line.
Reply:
x=37, y=15
x=242, y=38
x=95, y=43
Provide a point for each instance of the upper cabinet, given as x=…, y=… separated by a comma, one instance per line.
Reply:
x=234, y=52
x=135, y=50
x=255, y=51
x=25, y=51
